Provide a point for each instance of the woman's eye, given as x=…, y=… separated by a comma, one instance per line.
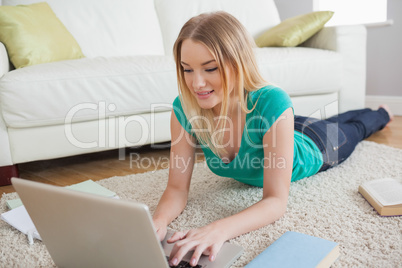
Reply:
x=212, y=69
x=187, y=70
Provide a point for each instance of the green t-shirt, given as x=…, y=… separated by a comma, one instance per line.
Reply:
x=248, y=164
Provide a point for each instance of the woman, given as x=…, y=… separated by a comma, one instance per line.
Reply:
x=247, y=131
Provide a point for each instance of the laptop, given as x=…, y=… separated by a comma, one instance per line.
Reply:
x=87, y=230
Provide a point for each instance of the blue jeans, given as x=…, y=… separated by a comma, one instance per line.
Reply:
x=337, y=136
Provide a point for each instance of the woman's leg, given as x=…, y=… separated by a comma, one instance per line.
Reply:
x=346, y=116
x=367, y=123
x=338, y=136
x=388, y=110
x=350, y=133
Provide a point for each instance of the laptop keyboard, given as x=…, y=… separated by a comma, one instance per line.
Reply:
x=184, y=264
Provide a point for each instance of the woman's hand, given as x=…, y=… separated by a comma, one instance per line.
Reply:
x=206, y=240
x=161, y=229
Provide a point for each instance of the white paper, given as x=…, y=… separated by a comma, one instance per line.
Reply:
x=387, y=191
x=19, y=219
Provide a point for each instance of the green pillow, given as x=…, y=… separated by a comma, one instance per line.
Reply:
x=294, y=31
x=33, y=34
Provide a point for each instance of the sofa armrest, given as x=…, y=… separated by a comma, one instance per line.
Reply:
x=350, y=42
x=4, y=61
x=5, y=155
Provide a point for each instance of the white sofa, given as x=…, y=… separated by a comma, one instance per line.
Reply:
x=120, y=94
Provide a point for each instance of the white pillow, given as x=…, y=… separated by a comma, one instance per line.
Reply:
x=108, y=28
x=256, y=15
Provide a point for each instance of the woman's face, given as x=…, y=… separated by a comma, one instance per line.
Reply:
x=202, y=75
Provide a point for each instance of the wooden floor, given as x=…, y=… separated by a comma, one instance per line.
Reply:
x=70, y=170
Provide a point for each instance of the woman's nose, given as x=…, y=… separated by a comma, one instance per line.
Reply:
x=198, y=81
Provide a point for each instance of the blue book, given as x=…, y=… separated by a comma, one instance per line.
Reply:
x=294, y=249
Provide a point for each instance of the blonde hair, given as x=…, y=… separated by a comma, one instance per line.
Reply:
x=232, y=47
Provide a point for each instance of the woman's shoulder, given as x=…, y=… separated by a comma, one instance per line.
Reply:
x=267, y=104
x=177, y=107
x=269, y=93
x=177, y=102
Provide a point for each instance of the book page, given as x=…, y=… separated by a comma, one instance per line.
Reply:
x=20, y=219
x=387, y=191
x=88, y=186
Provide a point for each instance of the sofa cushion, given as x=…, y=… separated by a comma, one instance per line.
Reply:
x=108, y=28
x=294, y=31
x=33, y=35
x=87, y=89
x=256, y=15
x=301, y=71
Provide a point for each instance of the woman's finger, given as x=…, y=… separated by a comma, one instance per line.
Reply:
x=213, y=251
x=197, y=254
x=177, y=236
x=179, y=250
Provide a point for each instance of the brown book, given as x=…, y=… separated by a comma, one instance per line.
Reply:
x=385, y=195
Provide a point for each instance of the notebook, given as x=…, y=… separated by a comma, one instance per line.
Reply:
x=295, y=249
x=86, y=230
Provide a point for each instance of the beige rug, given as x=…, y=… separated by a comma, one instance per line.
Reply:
x=326, y=205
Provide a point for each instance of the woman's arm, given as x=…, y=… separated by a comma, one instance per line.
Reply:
x=279, y=143
x=174, y=198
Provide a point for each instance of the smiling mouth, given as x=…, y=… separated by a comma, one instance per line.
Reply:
x=204, y=93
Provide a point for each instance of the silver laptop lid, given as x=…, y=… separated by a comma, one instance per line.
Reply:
x=85, y=230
